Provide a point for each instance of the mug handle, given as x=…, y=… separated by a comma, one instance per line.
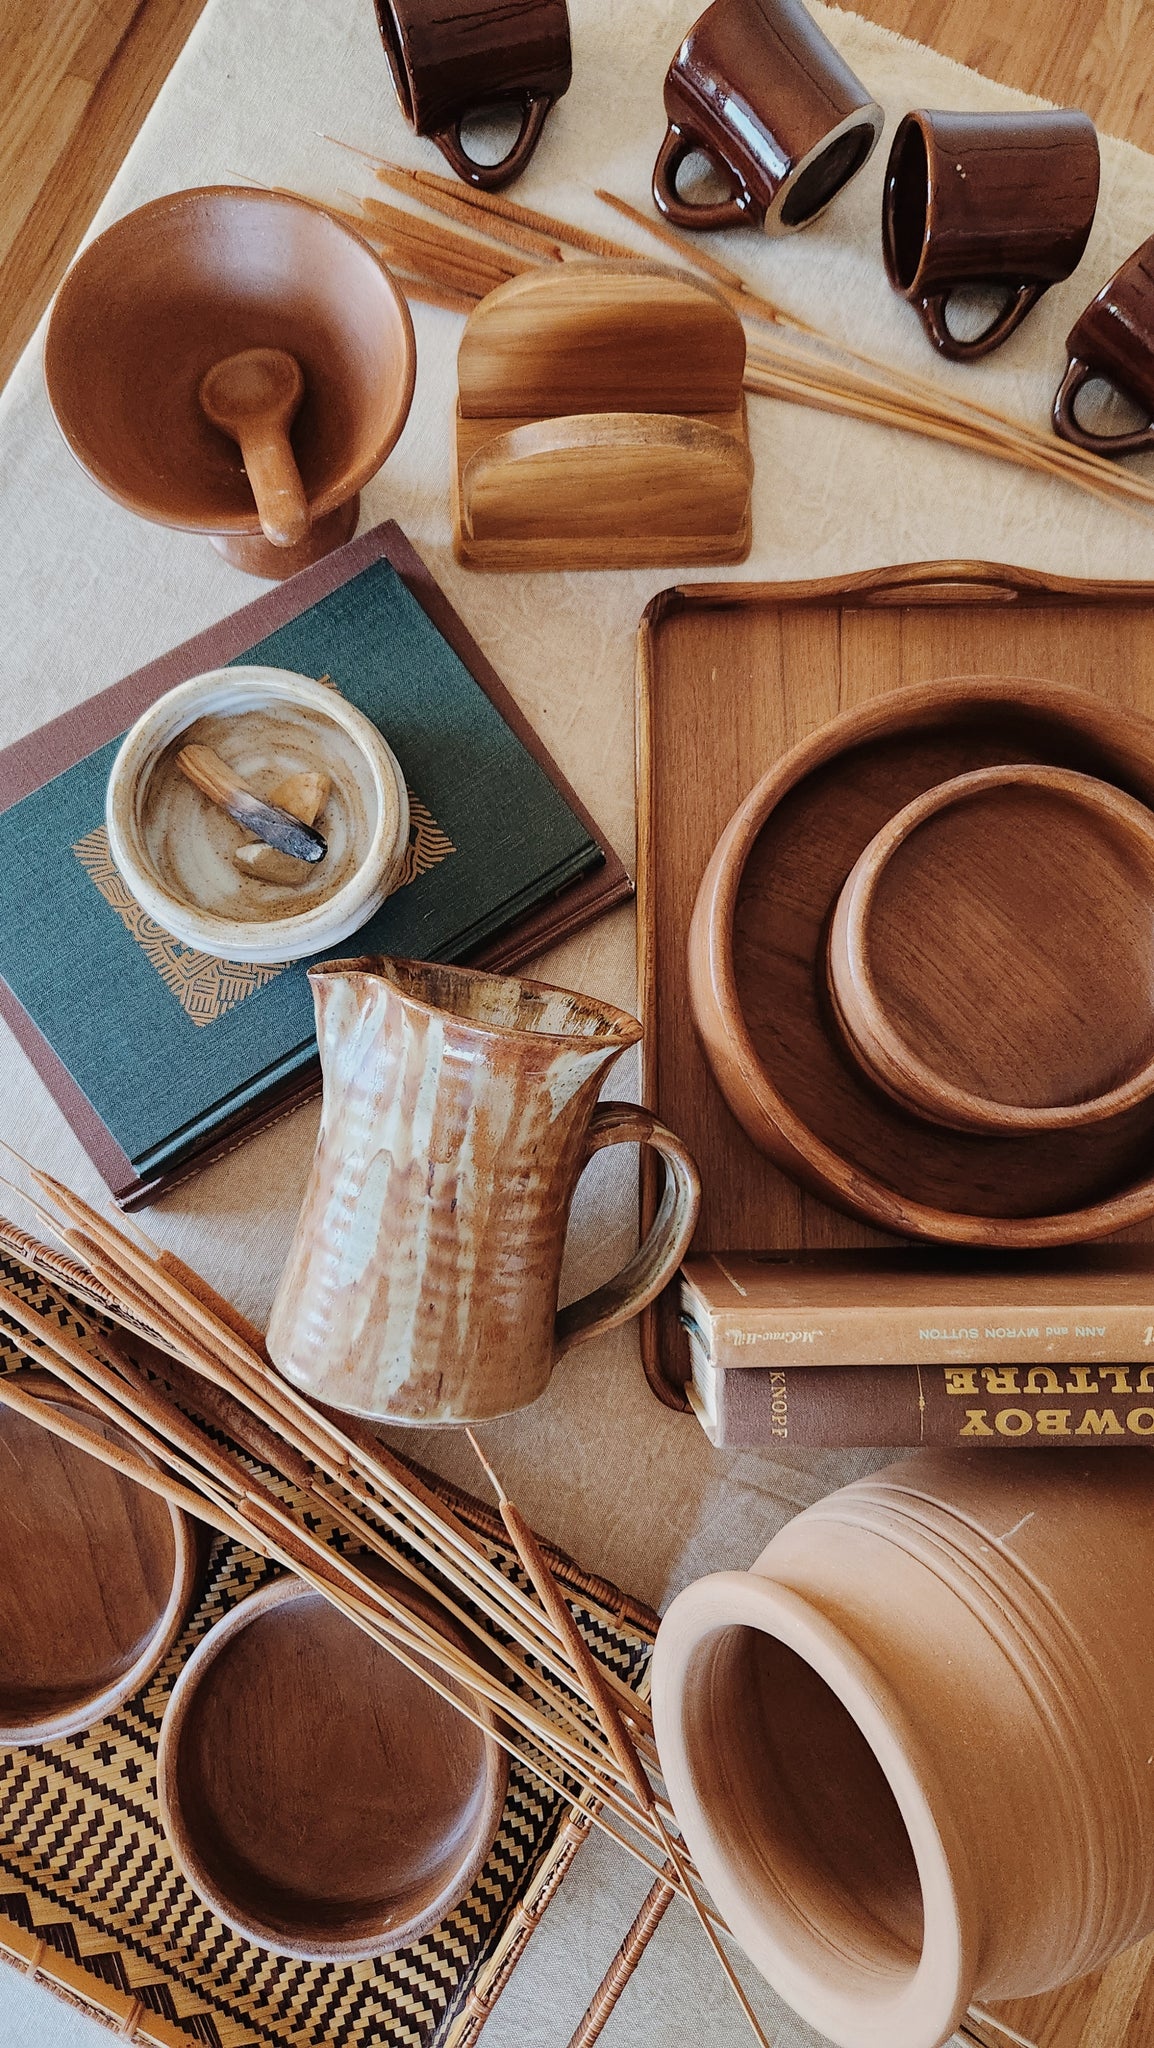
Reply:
x=490, y=177
x=1066, y=423
x=650, y=1268
x=680, y=143
x=932, y=309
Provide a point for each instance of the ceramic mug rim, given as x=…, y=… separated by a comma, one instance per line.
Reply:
x=866, y=118
x=274, y=940
x=938, y=1985
x=623, y=1031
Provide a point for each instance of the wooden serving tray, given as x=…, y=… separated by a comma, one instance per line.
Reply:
x=729, y=676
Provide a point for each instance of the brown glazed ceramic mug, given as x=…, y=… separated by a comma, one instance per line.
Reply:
x=1113, y=339
x=1002, y=200
x=450, y=61
x=460, y=1110
x=759, y=91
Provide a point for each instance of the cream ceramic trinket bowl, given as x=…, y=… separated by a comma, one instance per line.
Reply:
x=176, y=850
x=910, y=1748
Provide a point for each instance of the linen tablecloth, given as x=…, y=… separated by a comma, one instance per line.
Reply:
x=87, y=593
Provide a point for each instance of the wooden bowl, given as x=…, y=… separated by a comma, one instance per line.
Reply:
x=95, y=1576
x=757, y=953
x=180, y=284
x=991, y=956
x=321, y=1799
x=174, y=849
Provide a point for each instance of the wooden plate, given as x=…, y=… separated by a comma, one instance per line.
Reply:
x=757, y=945
x=319, y=1797
x=95, y=1575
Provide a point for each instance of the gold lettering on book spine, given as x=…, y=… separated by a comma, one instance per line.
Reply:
x=1050, y=1422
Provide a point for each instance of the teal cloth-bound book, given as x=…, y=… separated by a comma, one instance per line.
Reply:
x=171, y=1049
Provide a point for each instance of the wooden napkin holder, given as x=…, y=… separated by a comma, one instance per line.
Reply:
x=601, y=424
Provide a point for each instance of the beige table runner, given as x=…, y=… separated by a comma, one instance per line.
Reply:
x=87, y=593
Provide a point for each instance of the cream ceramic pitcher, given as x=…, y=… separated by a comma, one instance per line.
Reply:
x=459, y=1111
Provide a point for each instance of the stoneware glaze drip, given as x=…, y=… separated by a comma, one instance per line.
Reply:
x=459, y=1111
x=910, y=1748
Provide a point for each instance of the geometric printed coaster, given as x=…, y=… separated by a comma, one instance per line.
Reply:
x=91, y=1899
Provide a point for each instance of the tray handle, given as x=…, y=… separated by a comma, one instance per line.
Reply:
x=950, y=590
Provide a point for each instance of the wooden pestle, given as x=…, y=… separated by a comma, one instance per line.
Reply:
x=253, y=397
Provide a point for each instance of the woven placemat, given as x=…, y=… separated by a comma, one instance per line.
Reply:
x=92, y=1901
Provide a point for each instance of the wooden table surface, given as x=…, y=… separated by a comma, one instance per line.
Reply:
x=80, y=76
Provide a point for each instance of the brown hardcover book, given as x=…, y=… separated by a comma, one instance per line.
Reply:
x=226, y=1098
x=1039, y=1407
x=1086, y=1306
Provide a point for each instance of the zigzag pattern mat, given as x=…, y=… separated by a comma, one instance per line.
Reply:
x=91, y=1899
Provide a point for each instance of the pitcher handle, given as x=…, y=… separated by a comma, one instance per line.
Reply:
x=657, y=1260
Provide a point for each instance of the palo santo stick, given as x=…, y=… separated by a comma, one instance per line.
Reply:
x=224, y=787
x=588, y=1672
x=511, y=233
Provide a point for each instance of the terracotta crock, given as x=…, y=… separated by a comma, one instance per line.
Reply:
x=910, y=1749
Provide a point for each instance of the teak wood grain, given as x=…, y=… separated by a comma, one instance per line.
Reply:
x=80, y=79
x=95, y=1576
x=601, y=424
x=766, y=665
x=318, y=1796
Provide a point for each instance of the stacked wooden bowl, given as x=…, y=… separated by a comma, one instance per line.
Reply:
x=922, y=963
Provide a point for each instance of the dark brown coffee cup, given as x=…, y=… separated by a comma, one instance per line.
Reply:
x=1113, y=339
x=1000, y=200
x=453, y=60
x=758, y=90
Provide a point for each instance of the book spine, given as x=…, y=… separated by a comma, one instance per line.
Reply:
x=1039, y=1407
x=885, y=1334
